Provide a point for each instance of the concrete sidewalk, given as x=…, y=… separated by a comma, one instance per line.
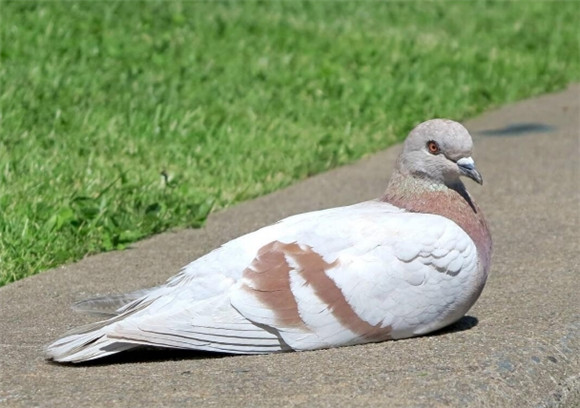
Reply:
x=519, y=346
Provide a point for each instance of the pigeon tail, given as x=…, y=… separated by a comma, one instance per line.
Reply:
x=86, y=343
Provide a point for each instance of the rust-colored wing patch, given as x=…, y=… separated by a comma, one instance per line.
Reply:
x=268, y=278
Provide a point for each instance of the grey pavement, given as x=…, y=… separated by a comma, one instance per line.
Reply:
x=519, y=346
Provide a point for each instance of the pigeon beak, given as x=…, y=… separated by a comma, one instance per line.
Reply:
x=467, y=168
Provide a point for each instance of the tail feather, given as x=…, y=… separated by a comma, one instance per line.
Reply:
x=110, y=305
x=85, y=347
x=92, y=341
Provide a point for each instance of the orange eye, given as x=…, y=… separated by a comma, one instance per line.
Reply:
x=433, y=147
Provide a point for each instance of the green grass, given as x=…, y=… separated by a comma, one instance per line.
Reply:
x=123, y=119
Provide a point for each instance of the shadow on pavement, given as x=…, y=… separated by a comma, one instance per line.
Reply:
x=518, y=129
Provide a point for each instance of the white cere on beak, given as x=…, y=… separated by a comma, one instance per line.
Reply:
x=466, y=162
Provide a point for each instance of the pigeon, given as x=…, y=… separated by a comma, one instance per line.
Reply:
x=406, y=264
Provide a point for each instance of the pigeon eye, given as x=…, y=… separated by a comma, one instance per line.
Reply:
x=433, y=147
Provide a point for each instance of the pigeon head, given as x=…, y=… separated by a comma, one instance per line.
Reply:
x=439, y=150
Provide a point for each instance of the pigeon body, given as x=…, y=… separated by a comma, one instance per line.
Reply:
x=404, y=265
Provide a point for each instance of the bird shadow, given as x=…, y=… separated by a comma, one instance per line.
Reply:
x=155, y=354
x=465, y=323
x=143, y=355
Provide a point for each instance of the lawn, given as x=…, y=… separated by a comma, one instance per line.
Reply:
x=124, y=119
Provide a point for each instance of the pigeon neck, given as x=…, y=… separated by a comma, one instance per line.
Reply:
x=421, y=195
